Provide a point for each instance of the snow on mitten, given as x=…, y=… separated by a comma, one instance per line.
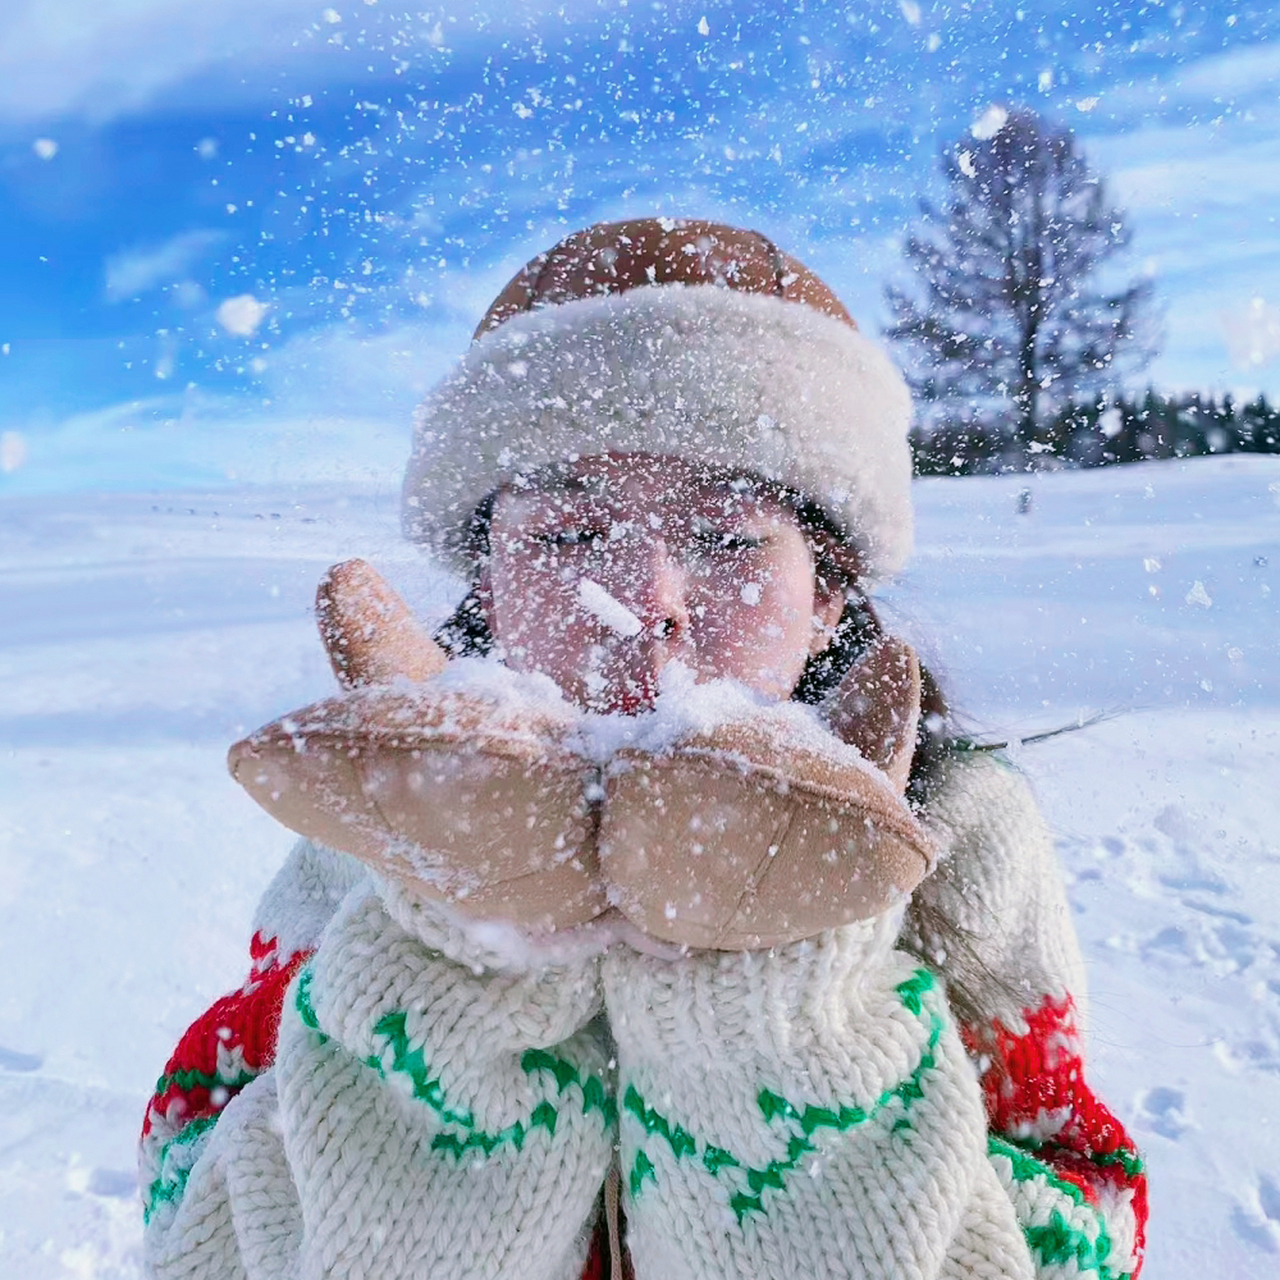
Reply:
x=440, y=1117
x=461, y=788
x=806, y=1111
x=763, y=826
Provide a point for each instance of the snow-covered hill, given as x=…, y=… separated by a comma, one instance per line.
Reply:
x=140, y=635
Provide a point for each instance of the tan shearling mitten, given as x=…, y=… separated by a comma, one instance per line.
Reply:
x=767, y=827
x=462, y=792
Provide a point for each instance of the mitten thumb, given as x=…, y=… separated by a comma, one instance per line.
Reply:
x=369, y=632
x=877, y=707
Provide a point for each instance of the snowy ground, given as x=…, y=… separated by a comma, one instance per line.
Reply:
x=140, y=635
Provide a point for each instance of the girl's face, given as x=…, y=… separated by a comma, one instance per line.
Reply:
x=603, y=571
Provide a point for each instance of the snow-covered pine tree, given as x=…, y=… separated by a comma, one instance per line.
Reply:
x=1010, y=316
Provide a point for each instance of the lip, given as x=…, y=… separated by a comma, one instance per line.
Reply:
x=630, y=703
x=628, y=695
x=634, y=676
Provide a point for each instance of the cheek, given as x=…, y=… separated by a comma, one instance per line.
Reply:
x=532, y=614
x=765, y=608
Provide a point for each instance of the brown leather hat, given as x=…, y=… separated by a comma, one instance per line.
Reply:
x=612, y=257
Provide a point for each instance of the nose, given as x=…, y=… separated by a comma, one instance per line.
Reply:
x=642, y=575
x=654, y=586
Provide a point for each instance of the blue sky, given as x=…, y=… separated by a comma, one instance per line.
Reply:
x=238, y=240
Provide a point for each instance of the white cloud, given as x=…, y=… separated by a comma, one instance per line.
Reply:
x=13, y=451
x=242, y=314
x=103, y=58
x=198, y=439
x=140, y=270
x=336, y=371
x=1219, y=85
x=1230, y=77
x=1202, y=201
x=1226, y=166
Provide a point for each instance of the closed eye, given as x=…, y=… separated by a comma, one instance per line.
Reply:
x=713, y=540
x=572, y=538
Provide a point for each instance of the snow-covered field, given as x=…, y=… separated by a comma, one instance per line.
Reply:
x=141, y=634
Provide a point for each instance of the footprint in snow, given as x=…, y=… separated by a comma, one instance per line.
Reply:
x=119, y=1184
x=1257, y=1218
x=1260, y=1050
x=12, y=1060
x=1223, y=941
x=1164, y=1111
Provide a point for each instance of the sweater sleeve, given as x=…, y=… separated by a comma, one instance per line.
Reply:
x=418, y=1111
x=995, y=920
x=233, y=1042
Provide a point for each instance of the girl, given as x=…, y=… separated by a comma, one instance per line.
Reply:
x=688, y=1025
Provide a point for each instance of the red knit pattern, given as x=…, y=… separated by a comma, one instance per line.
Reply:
x=242, y=1025
x=1036, y=1096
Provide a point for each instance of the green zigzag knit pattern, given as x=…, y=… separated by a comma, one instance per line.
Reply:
x=408, y=1060
x=1051, y=1238
x=752, y=1182
x=192, y=1079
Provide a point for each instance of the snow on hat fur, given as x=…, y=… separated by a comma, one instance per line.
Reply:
x=678, y=338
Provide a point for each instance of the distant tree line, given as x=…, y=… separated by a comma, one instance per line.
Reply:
x=1099, y=433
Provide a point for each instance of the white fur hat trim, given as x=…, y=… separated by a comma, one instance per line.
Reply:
x=741, y=381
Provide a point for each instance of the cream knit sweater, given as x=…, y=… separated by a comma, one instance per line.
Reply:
x=433, y=1112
